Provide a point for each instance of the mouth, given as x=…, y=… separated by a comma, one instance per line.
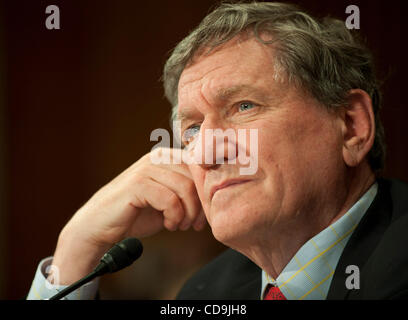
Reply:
x=226, y=184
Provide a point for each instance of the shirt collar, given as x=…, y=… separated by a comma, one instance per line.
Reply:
x=309, y=273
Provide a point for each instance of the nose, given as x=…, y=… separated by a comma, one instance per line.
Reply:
x=215, y=145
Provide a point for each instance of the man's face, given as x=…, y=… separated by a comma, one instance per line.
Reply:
x=299, y=144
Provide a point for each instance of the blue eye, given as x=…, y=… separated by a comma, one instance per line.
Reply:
x=243, y=106
x=190, y=133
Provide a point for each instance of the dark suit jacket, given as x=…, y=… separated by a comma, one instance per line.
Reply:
x=378, y=246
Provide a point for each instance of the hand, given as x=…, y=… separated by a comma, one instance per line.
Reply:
x=140, y=202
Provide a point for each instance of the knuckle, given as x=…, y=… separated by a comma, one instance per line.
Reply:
x=157, y=153
x=188, y=188
x=173, y=201
x=136, y=179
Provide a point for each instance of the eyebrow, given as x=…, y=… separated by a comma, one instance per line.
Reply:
x=228, y=93
x=223, y=94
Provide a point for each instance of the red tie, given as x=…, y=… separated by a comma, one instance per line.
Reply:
x=273, y=293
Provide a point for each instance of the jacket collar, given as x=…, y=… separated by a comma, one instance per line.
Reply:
x=363, y=241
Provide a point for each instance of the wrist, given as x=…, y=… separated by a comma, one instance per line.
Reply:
x=74, y=258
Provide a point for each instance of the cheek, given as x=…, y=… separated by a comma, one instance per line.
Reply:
x=295, y=147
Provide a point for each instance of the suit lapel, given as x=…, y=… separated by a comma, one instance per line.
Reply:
x=250, y=290
x=362, y=242
x=250, y=283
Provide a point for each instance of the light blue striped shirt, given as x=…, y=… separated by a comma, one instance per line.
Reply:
x=309, y=273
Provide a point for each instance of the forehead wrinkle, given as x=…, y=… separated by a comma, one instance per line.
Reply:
x=188, y=76
x=199, y=71
x=189, y=112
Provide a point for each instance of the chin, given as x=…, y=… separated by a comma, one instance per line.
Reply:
x=232, y=226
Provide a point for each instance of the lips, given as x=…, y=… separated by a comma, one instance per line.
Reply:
x=226, y=184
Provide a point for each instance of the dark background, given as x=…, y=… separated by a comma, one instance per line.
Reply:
x=77, y=106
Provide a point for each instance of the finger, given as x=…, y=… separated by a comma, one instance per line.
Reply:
x=170, y=159
x=200, y=221
x=184, y=188
x=145, y=162
x=162, y=199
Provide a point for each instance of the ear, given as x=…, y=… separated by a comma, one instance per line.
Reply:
x=358, y=127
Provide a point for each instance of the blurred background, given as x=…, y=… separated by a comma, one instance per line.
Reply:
x=77, y=106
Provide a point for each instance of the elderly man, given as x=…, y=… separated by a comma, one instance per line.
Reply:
x=314, y=221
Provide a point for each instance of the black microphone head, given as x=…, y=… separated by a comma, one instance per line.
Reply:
x=132, y=246
x=122, y=254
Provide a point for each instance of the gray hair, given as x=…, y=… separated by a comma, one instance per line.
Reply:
x=321, y=56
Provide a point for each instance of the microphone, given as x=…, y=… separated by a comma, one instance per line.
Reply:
x=121, y=255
